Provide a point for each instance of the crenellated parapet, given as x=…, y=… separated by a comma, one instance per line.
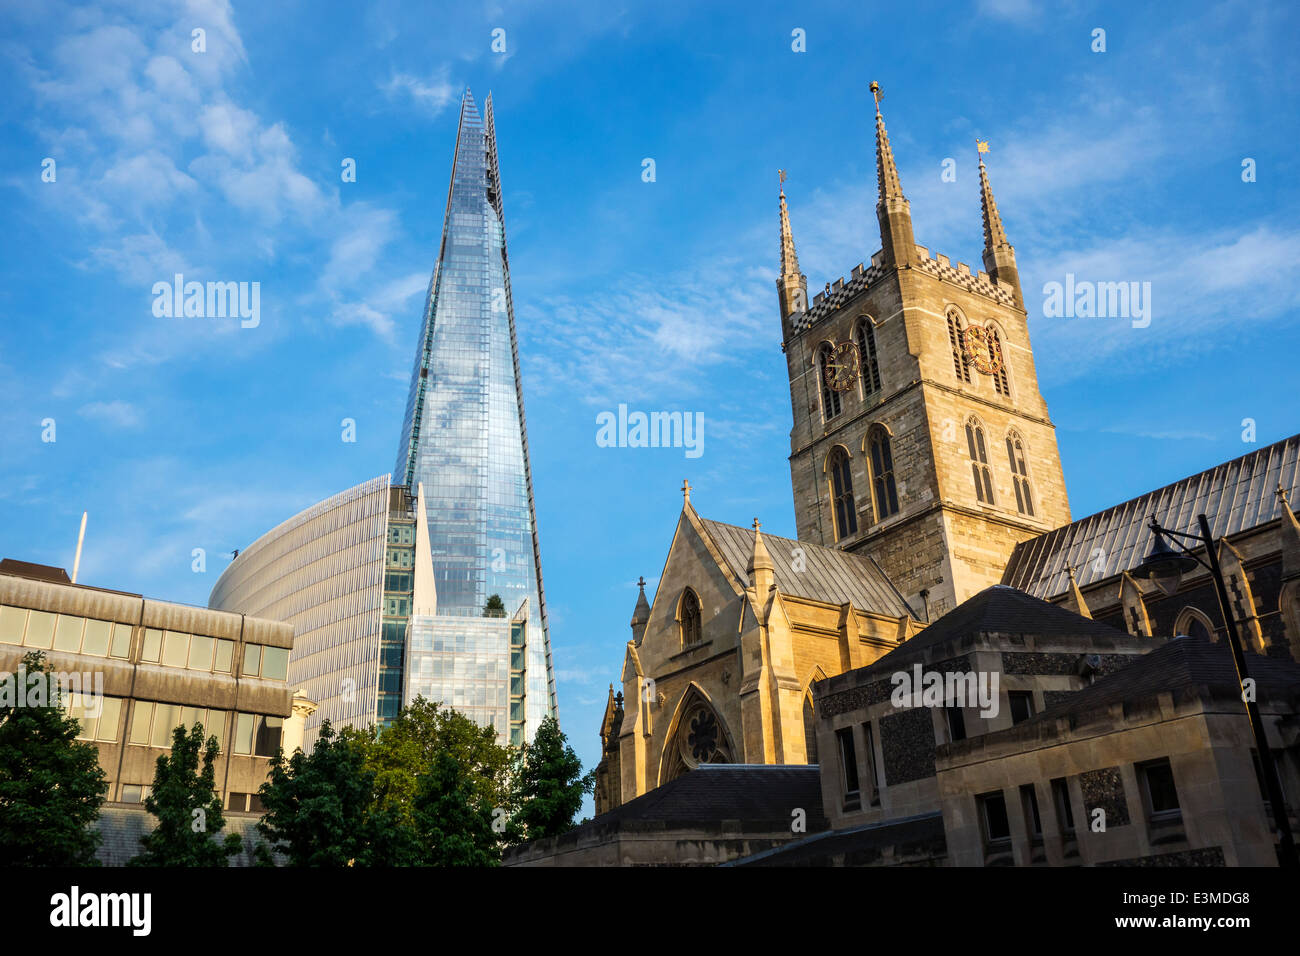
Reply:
x=979, y=282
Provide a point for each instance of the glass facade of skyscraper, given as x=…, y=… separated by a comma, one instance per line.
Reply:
x=464, y=439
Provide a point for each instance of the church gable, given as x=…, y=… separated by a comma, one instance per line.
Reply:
x=697, y=602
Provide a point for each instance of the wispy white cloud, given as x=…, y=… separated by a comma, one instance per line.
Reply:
x=119, y=413
x=432, y=94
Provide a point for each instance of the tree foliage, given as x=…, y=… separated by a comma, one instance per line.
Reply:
x=431, y=789
x=550, y=784
x=51, y=784
x=408, y=748
x=320, y=809
x=453, y=823
x=494, y=607
x=185, y=801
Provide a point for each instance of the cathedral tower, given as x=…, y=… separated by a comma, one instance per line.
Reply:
x=920, y=436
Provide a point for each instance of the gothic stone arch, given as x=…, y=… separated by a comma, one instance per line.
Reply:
x=697, y=734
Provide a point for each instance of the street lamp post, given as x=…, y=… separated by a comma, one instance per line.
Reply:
x=1165, y=568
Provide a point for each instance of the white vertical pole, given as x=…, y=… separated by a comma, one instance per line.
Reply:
x=76, y=564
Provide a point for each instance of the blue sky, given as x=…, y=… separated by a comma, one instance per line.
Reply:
x=183, y=433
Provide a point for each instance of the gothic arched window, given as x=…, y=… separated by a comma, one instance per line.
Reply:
x=867, y=353
x=689, y=619
x=830, y=397
x=960, y=364
x=883, y=490
x=1020, y=474
x=979, y=461
x=843, y=508
x=1194, y=624
x=1000, y=376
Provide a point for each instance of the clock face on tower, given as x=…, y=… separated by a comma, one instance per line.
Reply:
x=981, y=349
x=842, y=367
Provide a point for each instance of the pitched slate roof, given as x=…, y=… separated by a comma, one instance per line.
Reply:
x=1178, y=664
x=829, y=575
x=1004, y=610
x=1236, y=496
x=858, y=846
x=760, y=796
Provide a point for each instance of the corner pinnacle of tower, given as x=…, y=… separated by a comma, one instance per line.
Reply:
x=994, y=233
x=789, y=258
x=897, y=243
x=888, y=185
x=999, y=255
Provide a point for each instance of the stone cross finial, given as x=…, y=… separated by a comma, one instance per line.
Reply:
x=1281, y=493
x=686, y=491
x=641, y=582
x=756, y=524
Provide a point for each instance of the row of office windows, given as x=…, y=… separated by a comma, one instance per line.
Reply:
x=45, y=630
x=153, y=723
x=197, y=652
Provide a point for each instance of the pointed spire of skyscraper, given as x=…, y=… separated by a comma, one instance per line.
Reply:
x=892, y=208
x=464, y=439
x=792, y=285
x=999, y=256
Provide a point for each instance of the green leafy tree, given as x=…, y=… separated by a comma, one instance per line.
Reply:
x=188, y=808
x=320, y=809
x=494, y=607
x=51, y=785
x=549, y=786
x=454, y=824
x=407, y=749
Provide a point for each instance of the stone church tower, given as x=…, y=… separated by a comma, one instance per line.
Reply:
x=920, y=437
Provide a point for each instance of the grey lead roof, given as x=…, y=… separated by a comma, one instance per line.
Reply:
x=829, y=575
x=1236, y=496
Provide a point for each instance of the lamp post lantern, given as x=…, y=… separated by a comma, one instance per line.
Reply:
x=1165, y=567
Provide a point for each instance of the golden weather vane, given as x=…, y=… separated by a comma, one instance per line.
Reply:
x=982, y=146
x=876, y=94
x=781, y=173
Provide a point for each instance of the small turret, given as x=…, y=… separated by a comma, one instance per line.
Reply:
x=762, y=572
x=640, y=616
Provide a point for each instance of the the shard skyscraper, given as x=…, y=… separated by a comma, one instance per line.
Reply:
x=464, y=445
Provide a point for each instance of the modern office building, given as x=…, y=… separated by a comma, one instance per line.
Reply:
x=465, y=441
x=387, y=584
x=144, y=667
